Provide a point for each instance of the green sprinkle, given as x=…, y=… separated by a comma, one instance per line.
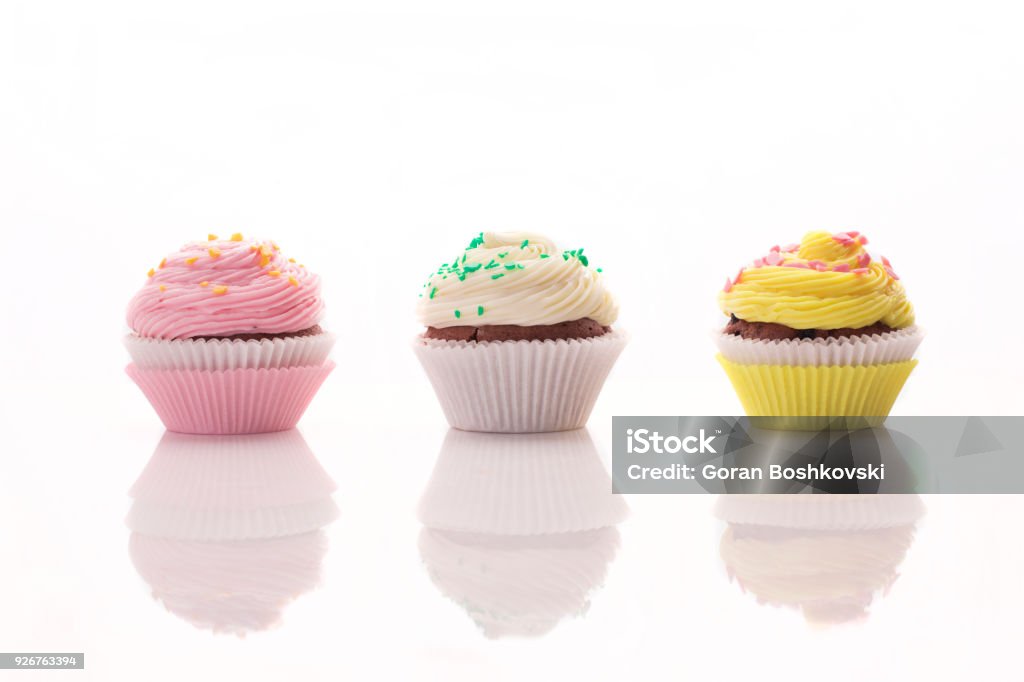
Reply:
x=433, y=292
x=565, y=255
x=600, y=270
x=520, y=266
x=463, y=258
x=525, y=242
x=462, y=277
x=472, y=268
x=545, y=255
x=457, y=314
x=502, y=255
x=479, y=310
x=510, y=266
x=500, y=274
x=477, y=241
x=490, y=265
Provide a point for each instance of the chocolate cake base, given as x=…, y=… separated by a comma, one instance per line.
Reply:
x=769, y=331
x=585, y=328
x=311, y=331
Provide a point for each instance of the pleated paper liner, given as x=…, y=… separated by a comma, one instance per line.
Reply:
x=525, y=484
x=235, y=401
x=231, y=488
x=876, y=349
x=519, y=585
x=831, y=577
x=225, y=354
x=519, y=386
x=820, y=512
x=234, y=587
x=810, y=395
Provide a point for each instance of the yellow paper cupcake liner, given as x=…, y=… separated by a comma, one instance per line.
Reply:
x=810, y=393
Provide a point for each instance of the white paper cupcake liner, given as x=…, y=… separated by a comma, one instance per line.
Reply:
x=525, y=484
x=231, y=488
x=894, y=346
x=519, y=386
x=821, y=512
x=223, y=354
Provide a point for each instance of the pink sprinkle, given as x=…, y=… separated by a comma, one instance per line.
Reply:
x=853, y=233
x=759, y=263
x=728, y=285
x=795, y=265
x=773, y=258
x=863, y=260
x=789, y=248
x=842, y=237
x=738, y=275
x=842, y=267
x=891, y=273
x=775, y=248
x=817, y=265
x=863, y=240
x=859, y=271
x=885, y=262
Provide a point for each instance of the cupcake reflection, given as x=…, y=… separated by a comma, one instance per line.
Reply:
x=228, y=530
x=519, y=530
x=827, y=556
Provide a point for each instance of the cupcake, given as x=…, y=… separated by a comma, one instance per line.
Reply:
x=518, y=335
x=818, y=331
x=226, y=338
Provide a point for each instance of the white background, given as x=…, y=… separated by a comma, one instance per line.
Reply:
x=372, y=140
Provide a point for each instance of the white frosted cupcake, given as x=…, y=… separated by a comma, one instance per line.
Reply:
x=519, y=335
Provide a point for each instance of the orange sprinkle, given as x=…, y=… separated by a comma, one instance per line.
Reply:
x=214, y=252
x=236, y=237
x=204, y=284
x=264, y=261
x=301, y=265
x=163, y=288
x=191, y=260
x=220, y=291
x=274, y=273
x=211, y=237
x=254, y=247
x=151, y=272
x=294, y=282
x=163, y=263
x=291, y=260
x=276, y=247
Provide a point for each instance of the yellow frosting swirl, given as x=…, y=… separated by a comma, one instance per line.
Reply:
x=828, y=281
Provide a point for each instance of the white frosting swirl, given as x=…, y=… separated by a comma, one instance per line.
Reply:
x=515, y=278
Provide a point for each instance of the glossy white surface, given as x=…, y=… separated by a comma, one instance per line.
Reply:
x=674, y=141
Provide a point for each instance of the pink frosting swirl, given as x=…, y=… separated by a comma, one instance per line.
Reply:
x=224, y=287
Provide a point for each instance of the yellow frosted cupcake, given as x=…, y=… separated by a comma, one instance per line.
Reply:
x=818, y=330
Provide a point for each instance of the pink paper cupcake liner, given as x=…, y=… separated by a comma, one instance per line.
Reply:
x=235, y=401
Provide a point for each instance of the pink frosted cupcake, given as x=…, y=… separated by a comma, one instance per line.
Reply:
x=226, y=338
